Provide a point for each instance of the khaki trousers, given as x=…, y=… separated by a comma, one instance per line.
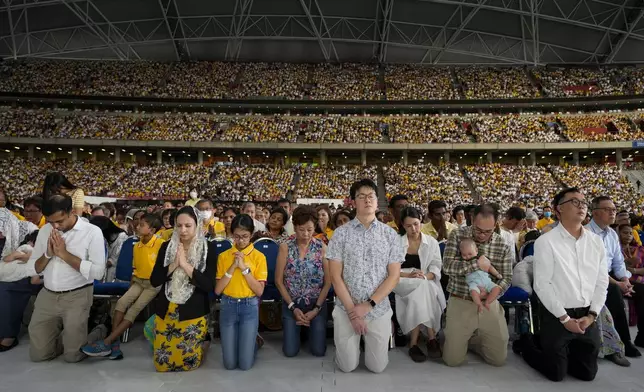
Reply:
x=136, y=298
x=59, y=325
x=347, y=342
x=485, y=333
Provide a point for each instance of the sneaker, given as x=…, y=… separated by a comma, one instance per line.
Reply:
x=116, y=353
x=434, y=349
x=96, y=349
x=416, y=354
x=618, y=359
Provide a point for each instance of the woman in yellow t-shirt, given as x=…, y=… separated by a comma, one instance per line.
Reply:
x=323, y=230
x=241, y=276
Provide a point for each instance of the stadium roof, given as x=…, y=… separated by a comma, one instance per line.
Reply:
x=391, y=31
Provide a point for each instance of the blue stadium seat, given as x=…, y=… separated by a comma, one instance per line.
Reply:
x=517, y=298
x=221, y=245
x=526, y=250
x=122, y=275
x=269, y=248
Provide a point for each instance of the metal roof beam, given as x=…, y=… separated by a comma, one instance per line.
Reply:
x=164, y=12
x=458, y=31
x=316, y=32
x=14, y=49
x=383, y=27
x=630, y=27
x=507, y=8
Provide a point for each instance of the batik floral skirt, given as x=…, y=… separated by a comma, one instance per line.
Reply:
x=178, y=345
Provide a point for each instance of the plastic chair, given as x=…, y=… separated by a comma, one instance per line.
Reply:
x=122, y=274
x=269, y=249
x=518, y=298
x=221, y=245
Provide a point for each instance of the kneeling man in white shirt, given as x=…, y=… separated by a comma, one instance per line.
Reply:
x=570, y=279
x=70, y=253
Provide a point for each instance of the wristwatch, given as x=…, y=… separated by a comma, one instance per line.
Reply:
x=372, y=303
x=246, y=271
x=594, y=314
x=317, y=307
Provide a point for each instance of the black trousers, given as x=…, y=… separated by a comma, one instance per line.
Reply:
x=615, y=303
x=556, y=352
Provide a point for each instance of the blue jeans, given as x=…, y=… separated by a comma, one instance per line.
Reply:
x=239, y=320
x=14, y=298
x=317, y=333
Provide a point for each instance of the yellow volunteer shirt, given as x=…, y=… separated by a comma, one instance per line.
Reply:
x=217, y=227
x=167, y=234
x=543, y=222
x=428, y=229
x=238, y=287
x=145, y=256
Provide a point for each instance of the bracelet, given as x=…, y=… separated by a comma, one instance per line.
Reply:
x=47, y=256
x=229, y=276
x=317, y=307
x=424, y=276
x=594, y=314
x=564, y=321
x=246, y=271
x=291, y=306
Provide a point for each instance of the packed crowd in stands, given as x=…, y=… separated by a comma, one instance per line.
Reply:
x=495, y=83
x=17, y=176
x=253, y=129
x=598, y=127
x=572, y=82
x=161, y=181
x=532, y=186
x=346, y=82
x=412, y=82
x=601, y=180
x=330, y=181
x=200, y=80
x=514, y=128
x=222, y=80
x=344, y=129
x=425, y=129
x=257, y=183
x=274, y=80
x=423, y=183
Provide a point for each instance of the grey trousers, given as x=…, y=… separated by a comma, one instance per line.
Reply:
x=59, y=325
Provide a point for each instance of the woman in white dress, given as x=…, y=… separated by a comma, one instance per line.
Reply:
x=419, y=298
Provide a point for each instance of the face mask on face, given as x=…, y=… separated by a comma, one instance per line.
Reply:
x=193, y=195
x=547, y=214
x=205, y=215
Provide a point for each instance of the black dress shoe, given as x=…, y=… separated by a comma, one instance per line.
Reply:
x=7, y=348
x=417, y=355
x=631, y=351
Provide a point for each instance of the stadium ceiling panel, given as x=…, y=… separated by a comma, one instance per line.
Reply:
x=529, y=32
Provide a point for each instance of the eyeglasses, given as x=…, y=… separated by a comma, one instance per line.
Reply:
x=483, y=232
x=607, y=210
x=581, y=204
x=363, y=197
x=244, y=237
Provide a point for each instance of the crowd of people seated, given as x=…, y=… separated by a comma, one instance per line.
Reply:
x=425, y=129
x=571, y=82
x=253, y=129
x=413, y=82
x=506, y=185
x=427, y=182
x=200, y=80
x=161, y=181
x=274, y=80
x=332, y=128
x=346, y=82
x=329, y=181
x=256, y=182
x=514, y=128
x=601, y=180
x=343, y=129
x=495, y=83
x=597, y=127
x=225, y=80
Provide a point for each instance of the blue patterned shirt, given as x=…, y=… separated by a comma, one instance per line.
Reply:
x=365, y=254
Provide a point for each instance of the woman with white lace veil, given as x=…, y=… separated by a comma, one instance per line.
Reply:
x=15, y=287
x=185, y=267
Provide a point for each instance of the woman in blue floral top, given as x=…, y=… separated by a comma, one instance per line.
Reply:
x=303, y=279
